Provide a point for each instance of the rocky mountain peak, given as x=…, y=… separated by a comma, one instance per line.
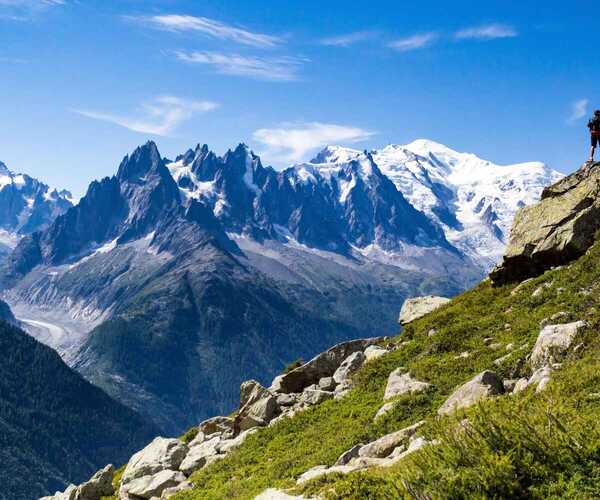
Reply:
x=135, y=166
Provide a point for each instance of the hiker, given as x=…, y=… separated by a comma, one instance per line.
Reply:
x=594, y=126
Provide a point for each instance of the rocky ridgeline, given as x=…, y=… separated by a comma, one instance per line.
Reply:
x=162, y=469
x=555, y=231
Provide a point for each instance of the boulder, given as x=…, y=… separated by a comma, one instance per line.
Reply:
x=417, y=307
x=554, y=231
x=315, y=396
x=348, y=455
x=226, y=445
x=161, y=454
x=385, y=409
x=288, y=399
x=153, y=485
x=322, y=365
x=327, y=383
x=520, y=385
x=196, y=457
x=383, y=446
x=173, y=490
x=553, y=342
x=350, y=365
x=273, y=494
x=480, y=387
x=374, y=352
x=216, y=424
x=400, y=382
x=260, y=408
x=99, y=485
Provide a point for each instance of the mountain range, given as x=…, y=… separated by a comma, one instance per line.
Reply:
x=174, y=280
x=26, y=205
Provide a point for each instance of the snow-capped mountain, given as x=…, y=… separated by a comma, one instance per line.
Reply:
x=26, y=205
x=472, y=200
x=166, y=272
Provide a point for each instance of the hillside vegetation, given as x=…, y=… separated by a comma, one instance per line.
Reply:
x=526, y=445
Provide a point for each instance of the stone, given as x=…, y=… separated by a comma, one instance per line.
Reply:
x=248, y=390
x=417, y=307
x=554, y=231
x=216, y=424
x=323, y=470
x=553, y=342
x=161, y=454
x=520, y=385
x=349, y=454
x=374, y=352
x=556, y=318
x=509, y=385
x=480, y=387
x=401, y=383
x=196, y=457
x=327, y=384
x=153, y=485
x=383, y=446
x=259, y=409
x=315, y=396
x=287, y=399
x=349, y=366
x=99, y=485
x=385, y=409
x=227, y=445
x=322, y=365
x=173, y=490
x=273, y=494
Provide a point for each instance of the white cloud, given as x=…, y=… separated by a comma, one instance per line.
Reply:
x=161, y=116
x=347, y=39
x=579, y=109
x=283, y=68
x=414, y=42
x=292, y=141
x=208, y=27
x=486, y=32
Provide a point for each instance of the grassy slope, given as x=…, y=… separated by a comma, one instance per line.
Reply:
x=497, y=456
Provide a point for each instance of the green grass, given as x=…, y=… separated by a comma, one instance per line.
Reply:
x=519, y=446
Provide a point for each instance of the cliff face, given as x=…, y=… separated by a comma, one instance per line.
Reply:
x=555, y=231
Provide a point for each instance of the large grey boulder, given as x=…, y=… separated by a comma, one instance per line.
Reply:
x=99, y=485
x=400, y=382
x=383, y=446
x=553, y=342
x=554, y=231
x=417, y=307
x=216, y=424
x=350, y=365
x=153, y=485
x=260, y=407
x=480, y=387
x=197, y=456
x=374, y=352
x=161, y=454
x=322, y=365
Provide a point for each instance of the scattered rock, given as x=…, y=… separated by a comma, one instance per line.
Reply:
x=383, y=446
x=540, y=377
x=417, y=307
x=509, y=385
x=315, y=396
x=152, y=486
x=99, y=485
x=480, y=387
x=273, y=494
x=520, y=385
x=553, y=342
x=349, y=455
x=350, y=365
x=540, y=289
x=385, y=409
x=431, y=332
x=196, y=457
x=327, y=384
x=374, y=352
x=401, y=383
x=286, y=399
x=173, y=490
x=259, y=409
x=322, y=365
x=216, y=424
x=161, y=454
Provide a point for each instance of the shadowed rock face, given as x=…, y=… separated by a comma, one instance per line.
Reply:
x=555, y=231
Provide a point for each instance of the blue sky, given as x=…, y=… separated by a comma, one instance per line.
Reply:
x=84, y=82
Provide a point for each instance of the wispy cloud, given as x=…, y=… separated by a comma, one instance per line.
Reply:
x=347, y=39
x=23, y=10
x=161, y=116
x=486, y=32
x=579, y=109
x=414, y=42
x=292, y=141
x=283, y=68
x=208, y=27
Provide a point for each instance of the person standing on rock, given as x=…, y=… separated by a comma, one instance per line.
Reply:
x=594, y=126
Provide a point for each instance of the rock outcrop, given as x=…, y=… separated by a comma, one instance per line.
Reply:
x=480, y=387
x=400, y=382
x=417, y=307
x=555, y=231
